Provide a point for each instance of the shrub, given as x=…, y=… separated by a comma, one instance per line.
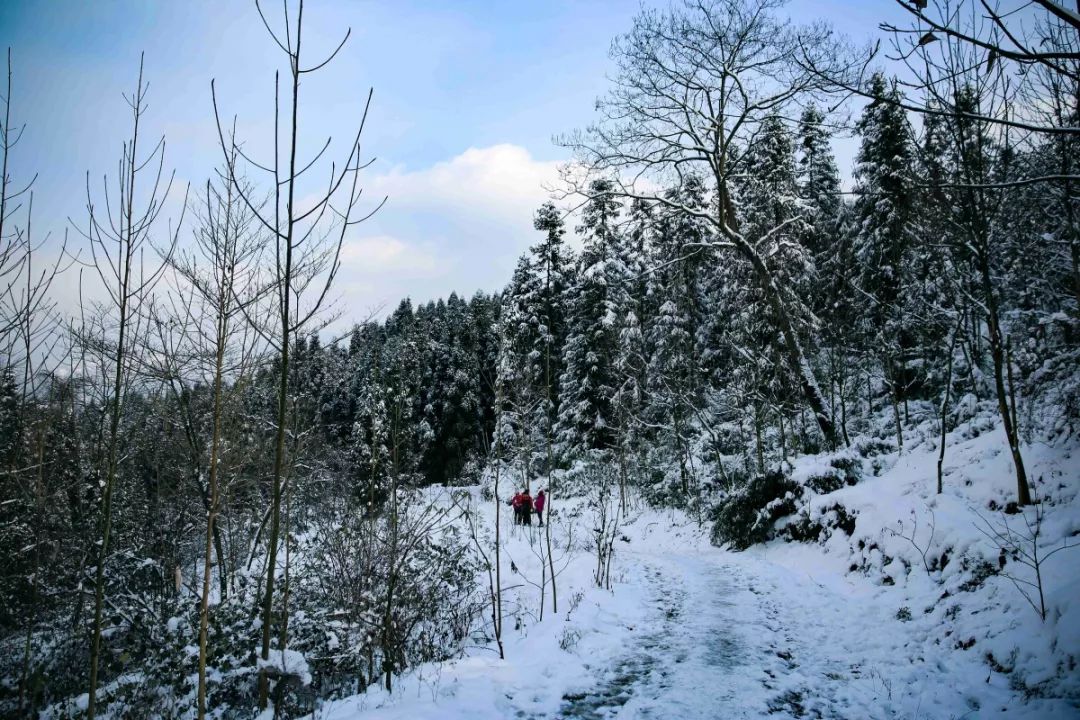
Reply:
x=843, y=470
x=850, y=468
x=870, y=447
x=807, y=529
x=746, y=516
x=824, y=483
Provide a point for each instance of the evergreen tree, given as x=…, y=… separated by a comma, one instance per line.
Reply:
x=640, y=260
x=535, y=333
x=827, y=238
x=544, y=305
x=818, y=182
x=883, y=239
x=677, y=287
x=597, y=306
x=776, y=219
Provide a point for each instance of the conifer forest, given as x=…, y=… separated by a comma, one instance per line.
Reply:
x=792, y=352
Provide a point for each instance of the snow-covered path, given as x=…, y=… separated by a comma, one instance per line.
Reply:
x=725, y=637
x=691, y=632
x=689, y=641
x=731, y=635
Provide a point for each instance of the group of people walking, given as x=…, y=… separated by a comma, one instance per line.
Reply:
x=524, y=506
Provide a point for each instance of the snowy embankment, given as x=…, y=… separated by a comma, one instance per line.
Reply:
x=859, y=621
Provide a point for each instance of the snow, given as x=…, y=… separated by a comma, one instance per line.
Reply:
x=851, y=626
x=287, y=662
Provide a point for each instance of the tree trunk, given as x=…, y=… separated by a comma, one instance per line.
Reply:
x=758, y=443
x=796, y=358
x=945, y=403
x=283, y=386
x=792, y=348
x=997, y=355
x=498, y=619
x=122, y=297
x=783, y=438
x=843, y=408
x=215, y=445
x=551, y=476
x=894, y=397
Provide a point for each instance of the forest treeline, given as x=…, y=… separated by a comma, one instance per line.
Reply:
x=209, y=502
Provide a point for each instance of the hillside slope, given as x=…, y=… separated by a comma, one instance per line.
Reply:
x=857, y=620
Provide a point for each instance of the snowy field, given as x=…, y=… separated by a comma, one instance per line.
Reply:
x=853, y=626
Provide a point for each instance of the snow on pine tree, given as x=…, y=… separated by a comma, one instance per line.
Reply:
x=631, y=398
x=535, y=330
x=883, y=213
x=826, y=237
x=405, y=375
x=674, y=371
x=518, y=400
x=932, y=270
x=371, y=442
x=775, y=219
x=483, y=322
x=818, y=185
x=597, y=305
x=455, y=392
x=546, y=307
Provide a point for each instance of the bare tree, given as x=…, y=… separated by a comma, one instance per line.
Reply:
x=1022, y=545
x=13, y=240
x=692, y=86
x=1020, y=39
x=45, y=348
x=306, y=253
x=957, y=72
x=32, y=339
x=118, y=238
x=205, y=342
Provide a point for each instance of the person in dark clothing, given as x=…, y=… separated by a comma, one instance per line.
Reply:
x=538, y=506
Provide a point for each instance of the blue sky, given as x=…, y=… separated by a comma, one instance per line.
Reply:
x=467, y=98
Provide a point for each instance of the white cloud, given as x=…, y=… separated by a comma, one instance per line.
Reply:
x=458, y=225
x=381, y=254
x=501, y=182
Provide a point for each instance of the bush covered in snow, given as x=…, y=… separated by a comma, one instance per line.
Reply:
x=832, y=474
x=746, y=516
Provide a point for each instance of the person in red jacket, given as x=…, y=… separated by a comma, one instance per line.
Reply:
x=515, y=503
x=538, y=505
x=526, y=507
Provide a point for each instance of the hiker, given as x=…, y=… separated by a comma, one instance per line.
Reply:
x=538, y=506
x=515, y=503
x=526, y=507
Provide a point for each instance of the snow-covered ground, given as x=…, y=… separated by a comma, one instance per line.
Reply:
x=853, y=626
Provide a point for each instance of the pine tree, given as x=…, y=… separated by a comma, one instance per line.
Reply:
x=826, y=237
x=883, y=214
x=517, y=362
x=767, y=191
x=776, y=219
x=544, y=305
x=371, y=443
x=818, y=183
x=597, y=305
x=677, y=287
x=641, y=261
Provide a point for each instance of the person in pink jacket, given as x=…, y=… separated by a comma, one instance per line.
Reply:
x=538, y=506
